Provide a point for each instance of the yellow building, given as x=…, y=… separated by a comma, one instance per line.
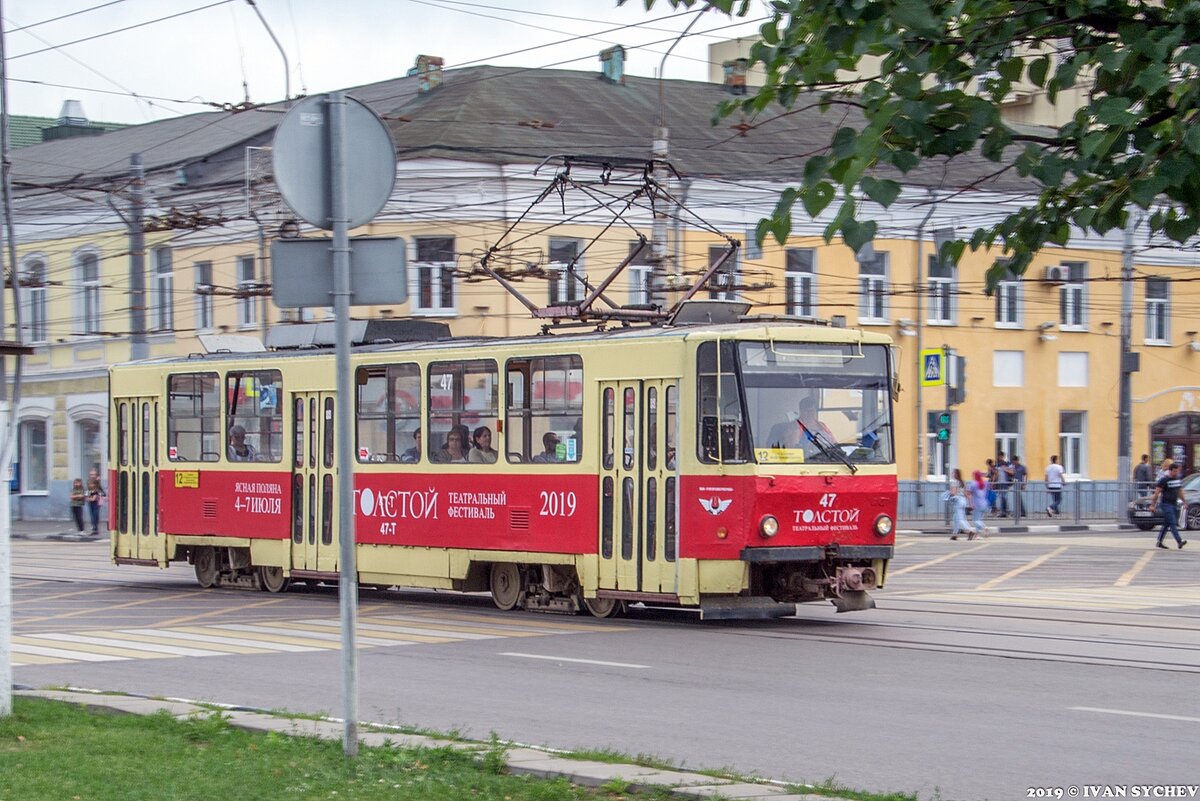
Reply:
x=1042, y=355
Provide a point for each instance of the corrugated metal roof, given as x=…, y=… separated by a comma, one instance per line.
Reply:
x=502, y=115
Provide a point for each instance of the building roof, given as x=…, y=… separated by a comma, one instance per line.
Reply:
x=24, y=130
x=501, y=115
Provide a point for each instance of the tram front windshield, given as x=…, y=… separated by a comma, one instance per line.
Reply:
x=804, y=403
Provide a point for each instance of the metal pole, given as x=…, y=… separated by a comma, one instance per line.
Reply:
x=139, y=348
x=1124, y=414
x=6, y=435
x=348, y=579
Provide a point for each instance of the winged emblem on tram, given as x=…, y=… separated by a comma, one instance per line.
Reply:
x=714, y=505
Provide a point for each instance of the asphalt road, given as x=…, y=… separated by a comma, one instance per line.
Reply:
x=990, y=669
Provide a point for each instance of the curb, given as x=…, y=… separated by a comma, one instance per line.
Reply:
x=519, y=759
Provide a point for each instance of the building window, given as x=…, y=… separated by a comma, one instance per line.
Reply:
x=1073, y=369
x=204, y=298
x=34, y=289
x=434, y=275
x=89, y=444
x=1008, y=368
x=873, y=287
x=89, y=292
x=1009, y=301
x=247, y=282
x=941, y=291
x=640, y=273
x=33, y=474
x=1158, y=308
x=1071, y=428
x=938, y=452
x=723, y=284
x=164, y=289
x=1072, y=297
x=566, y=269
x=801, y=282
x=1008, y=434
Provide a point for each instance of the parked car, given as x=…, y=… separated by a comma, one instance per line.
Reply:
x=1189, y=508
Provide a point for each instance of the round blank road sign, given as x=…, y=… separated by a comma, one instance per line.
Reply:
x=303, y=163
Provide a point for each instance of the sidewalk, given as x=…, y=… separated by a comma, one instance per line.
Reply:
x=63, y=530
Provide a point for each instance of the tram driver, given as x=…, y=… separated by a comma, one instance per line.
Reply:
x=802, y=429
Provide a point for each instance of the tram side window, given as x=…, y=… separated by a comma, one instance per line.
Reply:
x=722, y=435
x=389, y=413
x=253, y=398
x=464, y=405
x=193, y=418
x=544, y=411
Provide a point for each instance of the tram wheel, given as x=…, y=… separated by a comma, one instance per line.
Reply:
x=271, y=579
x=207, y=570
x=603, y=607
x=506, y=585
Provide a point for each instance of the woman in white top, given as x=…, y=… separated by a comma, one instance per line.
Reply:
x=483, y=452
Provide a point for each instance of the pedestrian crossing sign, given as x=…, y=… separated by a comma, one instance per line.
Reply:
x=933, y=367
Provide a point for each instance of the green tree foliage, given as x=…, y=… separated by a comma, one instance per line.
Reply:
x=935, y=93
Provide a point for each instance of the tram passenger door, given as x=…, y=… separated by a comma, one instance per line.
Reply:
x=636, y=535
x=135, y=495
x=314, y=513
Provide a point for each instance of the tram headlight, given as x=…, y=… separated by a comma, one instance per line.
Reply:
x=884, y=525
x=768, y=526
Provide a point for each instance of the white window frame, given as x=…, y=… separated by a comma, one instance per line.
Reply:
x=943, y=305
x=93, y=411
x=1073, y=299
x=88, y=304
x=23, y=428
x=640, y=270
x=1010, y=302
x=434, y=273
x=873, y=289
x=247, y=279
x=723, y=284
x=562, y=287
x=164, y=289
x=800, y=282
x=202, y=286
x=34, y=278
x=1072, y=445
x=1158, y=311
x=1010, y=442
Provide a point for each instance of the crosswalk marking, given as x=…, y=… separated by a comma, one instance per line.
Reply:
x=272, y=636
x=1130, y=599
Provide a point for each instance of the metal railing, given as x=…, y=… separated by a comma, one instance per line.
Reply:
x=1081, y=501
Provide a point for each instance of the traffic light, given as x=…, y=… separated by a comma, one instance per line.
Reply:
x=956, y=379
x=943, y=427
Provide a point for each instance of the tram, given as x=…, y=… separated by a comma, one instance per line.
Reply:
x=734, y=468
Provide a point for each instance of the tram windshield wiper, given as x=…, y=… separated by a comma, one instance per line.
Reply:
x=830, y=451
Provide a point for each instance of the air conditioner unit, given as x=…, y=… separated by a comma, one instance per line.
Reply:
x=1055, y=274
x=289, y=315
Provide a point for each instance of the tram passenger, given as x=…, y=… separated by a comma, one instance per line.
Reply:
x=550, y=452
x=413, y=454
x=455, y=449
x=483, y=452
x=239, y=449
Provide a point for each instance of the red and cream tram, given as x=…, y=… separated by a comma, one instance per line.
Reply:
x=734, y=468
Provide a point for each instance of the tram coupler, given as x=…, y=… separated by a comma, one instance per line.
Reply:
x=855, y=601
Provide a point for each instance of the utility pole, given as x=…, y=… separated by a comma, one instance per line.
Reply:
x=138, y=347
x=1129, y=361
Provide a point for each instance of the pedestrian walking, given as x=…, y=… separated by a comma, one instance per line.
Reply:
x=95, y=491
x=1143, y=475
x=977, y=492
x=956, y=493
x=1167, y=493
x=78, y=499
x=1054, y=485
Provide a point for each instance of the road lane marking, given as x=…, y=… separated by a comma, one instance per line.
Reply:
x=116, y=647
x=932, y=562
x=40, y=598
x=1130, y=713
x=228, y=644
x=452, y=629
x=268, y=640
x=539, y=624
x=214, y=612
x=21, y=660
x=989, y=585
x=1129, y=575
x=19, y=647
x=577, y=661
x=383, y=632
x=109, y=608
